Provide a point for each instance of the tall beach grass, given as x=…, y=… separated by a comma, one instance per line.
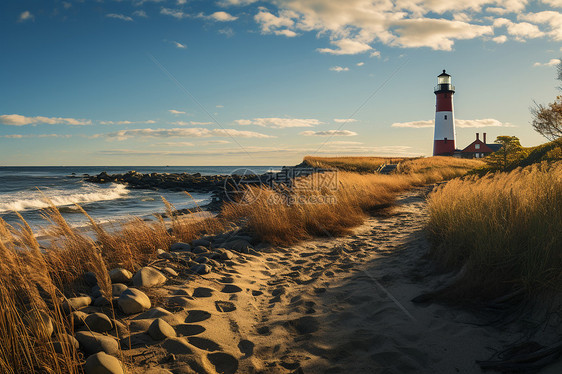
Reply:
x=504, y=230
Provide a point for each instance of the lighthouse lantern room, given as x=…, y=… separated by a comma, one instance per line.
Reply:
x=444, y=136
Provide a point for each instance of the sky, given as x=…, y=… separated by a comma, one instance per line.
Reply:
x=246, y=82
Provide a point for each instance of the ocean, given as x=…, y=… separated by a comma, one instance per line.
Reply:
x=24, y=189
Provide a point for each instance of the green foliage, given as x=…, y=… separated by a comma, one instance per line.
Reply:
x=509, y=155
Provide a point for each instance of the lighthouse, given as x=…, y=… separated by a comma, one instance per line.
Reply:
x=444, y=136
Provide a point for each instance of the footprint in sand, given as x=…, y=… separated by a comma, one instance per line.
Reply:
x=223, y=362
x=231, y=288
x=202, y=292
x=188, y=330
x=246, y=347
x=197, y=316
x=204, y=344
x=226, y=280
x=225, y=306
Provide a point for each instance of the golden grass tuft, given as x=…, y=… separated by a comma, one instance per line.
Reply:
x=282, y=216
x=354, y=164
x=504, y=229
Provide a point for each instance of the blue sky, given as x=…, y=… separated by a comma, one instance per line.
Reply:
x=245, y=82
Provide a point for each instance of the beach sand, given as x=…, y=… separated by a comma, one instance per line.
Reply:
x=336, y=305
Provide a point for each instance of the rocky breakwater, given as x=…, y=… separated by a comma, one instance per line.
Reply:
x=169, y=181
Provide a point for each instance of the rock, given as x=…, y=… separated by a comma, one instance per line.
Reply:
x=98, y=322
x=77, y=317
x=133, y=301
x=76, y=303
x=117, y=289
x=119, y=329
x=200, y=249
x=180, y=247
x=239, y=245
x=200, y=269
x=160, y=330
x=90, y=278
x=65, y=343
x=172, y=256
x=160, y=251
x=96, y=292
x=92, y=342
x=225, y=254
x=40, y=323
x=120, y=275
x=170, y=271
x=101, y=363
x=201, y=242
x=202, y=260
x=148, y=277
x=158, y=313
x=101, y=301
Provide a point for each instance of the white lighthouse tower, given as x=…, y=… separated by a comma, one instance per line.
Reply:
x=444, y=136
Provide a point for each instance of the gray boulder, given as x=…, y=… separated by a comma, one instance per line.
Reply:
x=180, y=247
x=120, y=275
x=101, y=363
x=133, y=301
x=65, y=343
x=201, y=242
x=98, y=322
x=200, y=249
x=160, y=330
x=148, y=277
x=200, y=269
x=117, y=289
x=93, y=342
x=76, y=303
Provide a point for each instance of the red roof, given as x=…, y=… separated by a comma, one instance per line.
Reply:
x=471, y=148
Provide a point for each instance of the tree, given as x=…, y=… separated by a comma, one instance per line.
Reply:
x=547, y=119
x=509, y=154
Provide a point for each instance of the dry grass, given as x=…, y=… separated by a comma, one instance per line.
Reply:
x=35, y=280
x=282, y=216
x=504, y=230
x=353, y=164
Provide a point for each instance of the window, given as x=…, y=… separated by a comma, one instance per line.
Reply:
x=477, y=146
x=445, y=116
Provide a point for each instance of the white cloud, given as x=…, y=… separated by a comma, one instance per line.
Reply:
x=182, y=2
x=414, y=124
x=217, y=142
x=342, y=142
x=287, y=33
x=175, y=144
x=119, y=16
x=521, y=30
x=174, y=13
x=26, y=16
x=193, y=132
x=352, y=26
x=191, y=123
x=140, y=13
x=179, y=45
x=236, y=2
x=500, y=39
x=21, y=136
x=222, y=17
x=227, y=31
x=552, y=62
x=438, y=34
x=219, y=106
x=329, y=133
x=19, y=120
x=551, y=18
x=280, y=122
x=462, y=123
x=360, y=64
x=339, y=68
x=342, y=120
x=150, y=121
x=554, y=3
x=346, y=47
x=173, y=111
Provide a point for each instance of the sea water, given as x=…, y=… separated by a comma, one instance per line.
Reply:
x=27, y=190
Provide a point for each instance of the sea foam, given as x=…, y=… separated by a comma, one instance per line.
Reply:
x=39, y=199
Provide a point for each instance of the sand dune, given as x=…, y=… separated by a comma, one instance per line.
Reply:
x=337, y=305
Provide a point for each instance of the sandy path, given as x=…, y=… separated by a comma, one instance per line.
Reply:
x=331, y=306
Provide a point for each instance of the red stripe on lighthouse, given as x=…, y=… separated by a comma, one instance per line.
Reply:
x=444, y=102
x=443, y=147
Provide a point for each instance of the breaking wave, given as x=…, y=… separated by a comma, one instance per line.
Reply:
x=38, y=200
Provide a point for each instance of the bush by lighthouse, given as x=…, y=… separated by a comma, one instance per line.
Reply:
x=444, y=136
